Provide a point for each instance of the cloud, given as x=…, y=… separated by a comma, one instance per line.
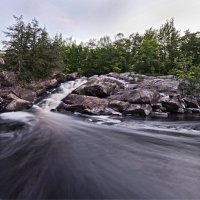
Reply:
x=84, y=19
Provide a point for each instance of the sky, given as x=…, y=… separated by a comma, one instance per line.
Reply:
x=87, y=19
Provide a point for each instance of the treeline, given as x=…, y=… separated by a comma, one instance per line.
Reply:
x=33, y=54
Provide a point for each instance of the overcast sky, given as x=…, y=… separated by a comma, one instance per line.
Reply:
x=86, y=19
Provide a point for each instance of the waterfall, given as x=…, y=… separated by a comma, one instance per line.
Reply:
x=54, y=99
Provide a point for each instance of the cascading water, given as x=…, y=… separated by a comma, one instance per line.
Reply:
x=47, y=155
x=54, y=99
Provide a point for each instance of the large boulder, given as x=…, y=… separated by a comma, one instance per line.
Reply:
x=24, y=93
x=119, y=106
x=137, y=96
x=191, y=102
x=16, y=103
x=7, y=78
x=138, y=109
x=84, y=104
x=173, y=105
x=162, y=85
x=102, y=86
x=40, y=87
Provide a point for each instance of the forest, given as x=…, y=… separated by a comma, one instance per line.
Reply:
x=32, y=54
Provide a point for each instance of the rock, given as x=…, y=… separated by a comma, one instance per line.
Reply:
x=119, y=106
x=162, y=85
x=49, y=84
x=7, y=78
x=40, y=87
x=102, y=86
x=172, y=105
x=2, y=61
x=84, y=104
x=137, y=96
x=191, y=102
x=110, y=111
x=158, y=107
x=138, y=109
x=192, y=110
x=25, y=94
x=72, y=76
x=16, y=103
x=159, y=114
x=60, y=77
x=129, y=77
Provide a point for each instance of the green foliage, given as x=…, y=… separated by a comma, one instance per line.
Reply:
x=33, y=54
x=30, y=51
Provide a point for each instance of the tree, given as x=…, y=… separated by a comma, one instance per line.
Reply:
x=30, y=51
x=169, y=45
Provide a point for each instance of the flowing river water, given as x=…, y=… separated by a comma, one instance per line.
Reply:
x=47, y=155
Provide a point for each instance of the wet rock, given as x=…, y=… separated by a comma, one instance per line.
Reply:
x=137, y=96
x=191, y=102
x=172, y=105
x=25, y=94
x=158, y=107
x=72, y=76
x=84, y=104
x=16, y=103
x=40, y=87
x=60, y=77
x=102, y=86
x=119, y=106
x=192, y=110
x=138, y=109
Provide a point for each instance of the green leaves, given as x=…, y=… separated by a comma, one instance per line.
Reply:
x=30, y=51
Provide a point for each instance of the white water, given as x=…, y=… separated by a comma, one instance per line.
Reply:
x=53, y=101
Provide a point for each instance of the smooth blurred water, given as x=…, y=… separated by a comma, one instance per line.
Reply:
x=46, y=155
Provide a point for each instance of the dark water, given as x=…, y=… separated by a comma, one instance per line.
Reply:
x=44, y=155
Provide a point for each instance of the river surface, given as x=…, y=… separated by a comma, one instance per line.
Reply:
x=47, y=155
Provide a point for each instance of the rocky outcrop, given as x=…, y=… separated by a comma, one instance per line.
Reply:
x=102, y=86
x=133, y=94
x=116, y=94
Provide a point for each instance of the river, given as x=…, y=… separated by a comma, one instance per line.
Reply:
x=47, y=155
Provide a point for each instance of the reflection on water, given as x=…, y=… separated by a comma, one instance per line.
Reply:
x=45, y=155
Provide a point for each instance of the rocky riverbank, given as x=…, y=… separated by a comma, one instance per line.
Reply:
x=111, y=94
